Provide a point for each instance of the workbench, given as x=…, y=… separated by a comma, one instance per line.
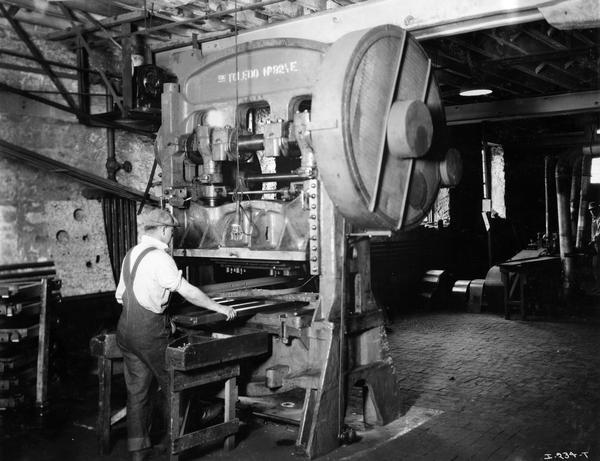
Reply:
x=530, y=281
x=195, y=361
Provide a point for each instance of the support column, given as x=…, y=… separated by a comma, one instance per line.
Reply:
x=583, y=221
x=83, y=78
x=127, y=70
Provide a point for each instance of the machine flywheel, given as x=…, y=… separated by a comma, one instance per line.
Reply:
x=378, y=128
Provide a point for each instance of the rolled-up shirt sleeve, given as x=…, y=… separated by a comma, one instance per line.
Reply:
x=120, y=288
x=167, y=274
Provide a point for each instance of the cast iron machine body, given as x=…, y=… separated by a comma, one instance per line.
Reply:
x=284, y=156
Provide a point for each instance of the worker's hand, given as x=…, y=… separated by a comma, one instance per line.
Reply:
x=229, y=312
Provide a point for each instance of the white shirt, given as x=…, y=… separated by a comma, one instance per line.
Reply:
x=156, y=277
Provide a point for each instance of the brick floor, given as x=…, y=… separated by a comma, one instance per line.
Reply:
x=503, y=390
x=510, y=390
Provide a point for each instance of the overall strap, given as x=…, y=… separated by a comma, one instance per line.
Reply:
x=129, y=274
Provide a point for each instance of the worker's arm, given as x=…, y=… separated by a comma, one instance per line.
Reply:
x=198, y=298
x=120, y=289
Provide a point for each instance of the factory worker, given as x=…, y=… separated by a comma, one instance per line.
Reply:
x=148, y=277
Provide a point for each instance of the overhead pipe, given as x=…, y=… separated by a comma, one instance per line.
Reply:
x=575, y=194
x=583, y=222
x=547, y=182
x=112, y=166
x=563, y=177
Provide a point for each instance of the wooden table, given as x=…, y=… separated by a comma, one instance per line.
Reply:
x=520, y=273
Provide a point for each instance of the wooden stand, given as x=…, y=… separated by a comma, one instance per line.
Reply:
x=26, y=289
x=224, y=431
x=516, y=278
x=41, y=382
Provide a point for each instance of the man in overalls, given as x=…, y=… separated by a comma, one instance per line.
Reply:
x=148, y=277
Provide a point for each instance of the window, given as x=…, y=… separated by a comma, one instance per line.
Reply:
x=596, y=170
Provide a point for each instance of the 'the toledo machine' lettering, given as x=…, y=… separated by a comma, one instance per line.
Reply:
x=264, y=72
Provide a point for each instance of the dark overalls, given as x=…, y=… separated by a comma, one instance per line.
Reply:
x=142, y=336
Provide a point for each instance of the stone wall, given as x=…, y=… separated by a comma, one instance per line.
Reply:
x=44, y=215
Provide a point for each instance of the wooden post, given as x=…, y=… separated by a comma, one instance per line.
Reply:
x=104, y=393
x=42, y=359
x=174, y=424
x=231, y=395
x=506, y=285
x=523, y=282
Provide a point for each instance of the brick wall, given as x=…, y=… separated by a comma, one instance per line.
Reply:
x=43, y=215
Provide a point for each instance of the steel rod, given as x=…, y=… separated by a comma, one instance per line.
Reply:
x=258, y=192
x=268, y=177
x=41, y=161
x=33, y=70
x=251, y=143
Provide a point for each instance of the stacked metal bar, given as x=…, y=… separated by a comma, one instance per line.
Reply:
x=191, y=316
x=27, y=292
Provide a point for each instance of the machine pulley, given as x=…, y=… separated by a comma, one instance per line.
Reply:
x=378, y=129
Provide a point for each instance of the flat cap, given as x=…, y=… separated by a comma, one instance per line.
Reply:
x=158, y=217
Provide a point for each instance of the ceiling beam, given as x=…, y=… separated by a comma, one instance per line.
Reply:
x=565, y=80
x=33, y=49
x=106, y=23
x=514, y=109
x=425, y=19
x=557, y=55
x=82, y=42
x=39, y=19
x=532, y=84
x=215, y=14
